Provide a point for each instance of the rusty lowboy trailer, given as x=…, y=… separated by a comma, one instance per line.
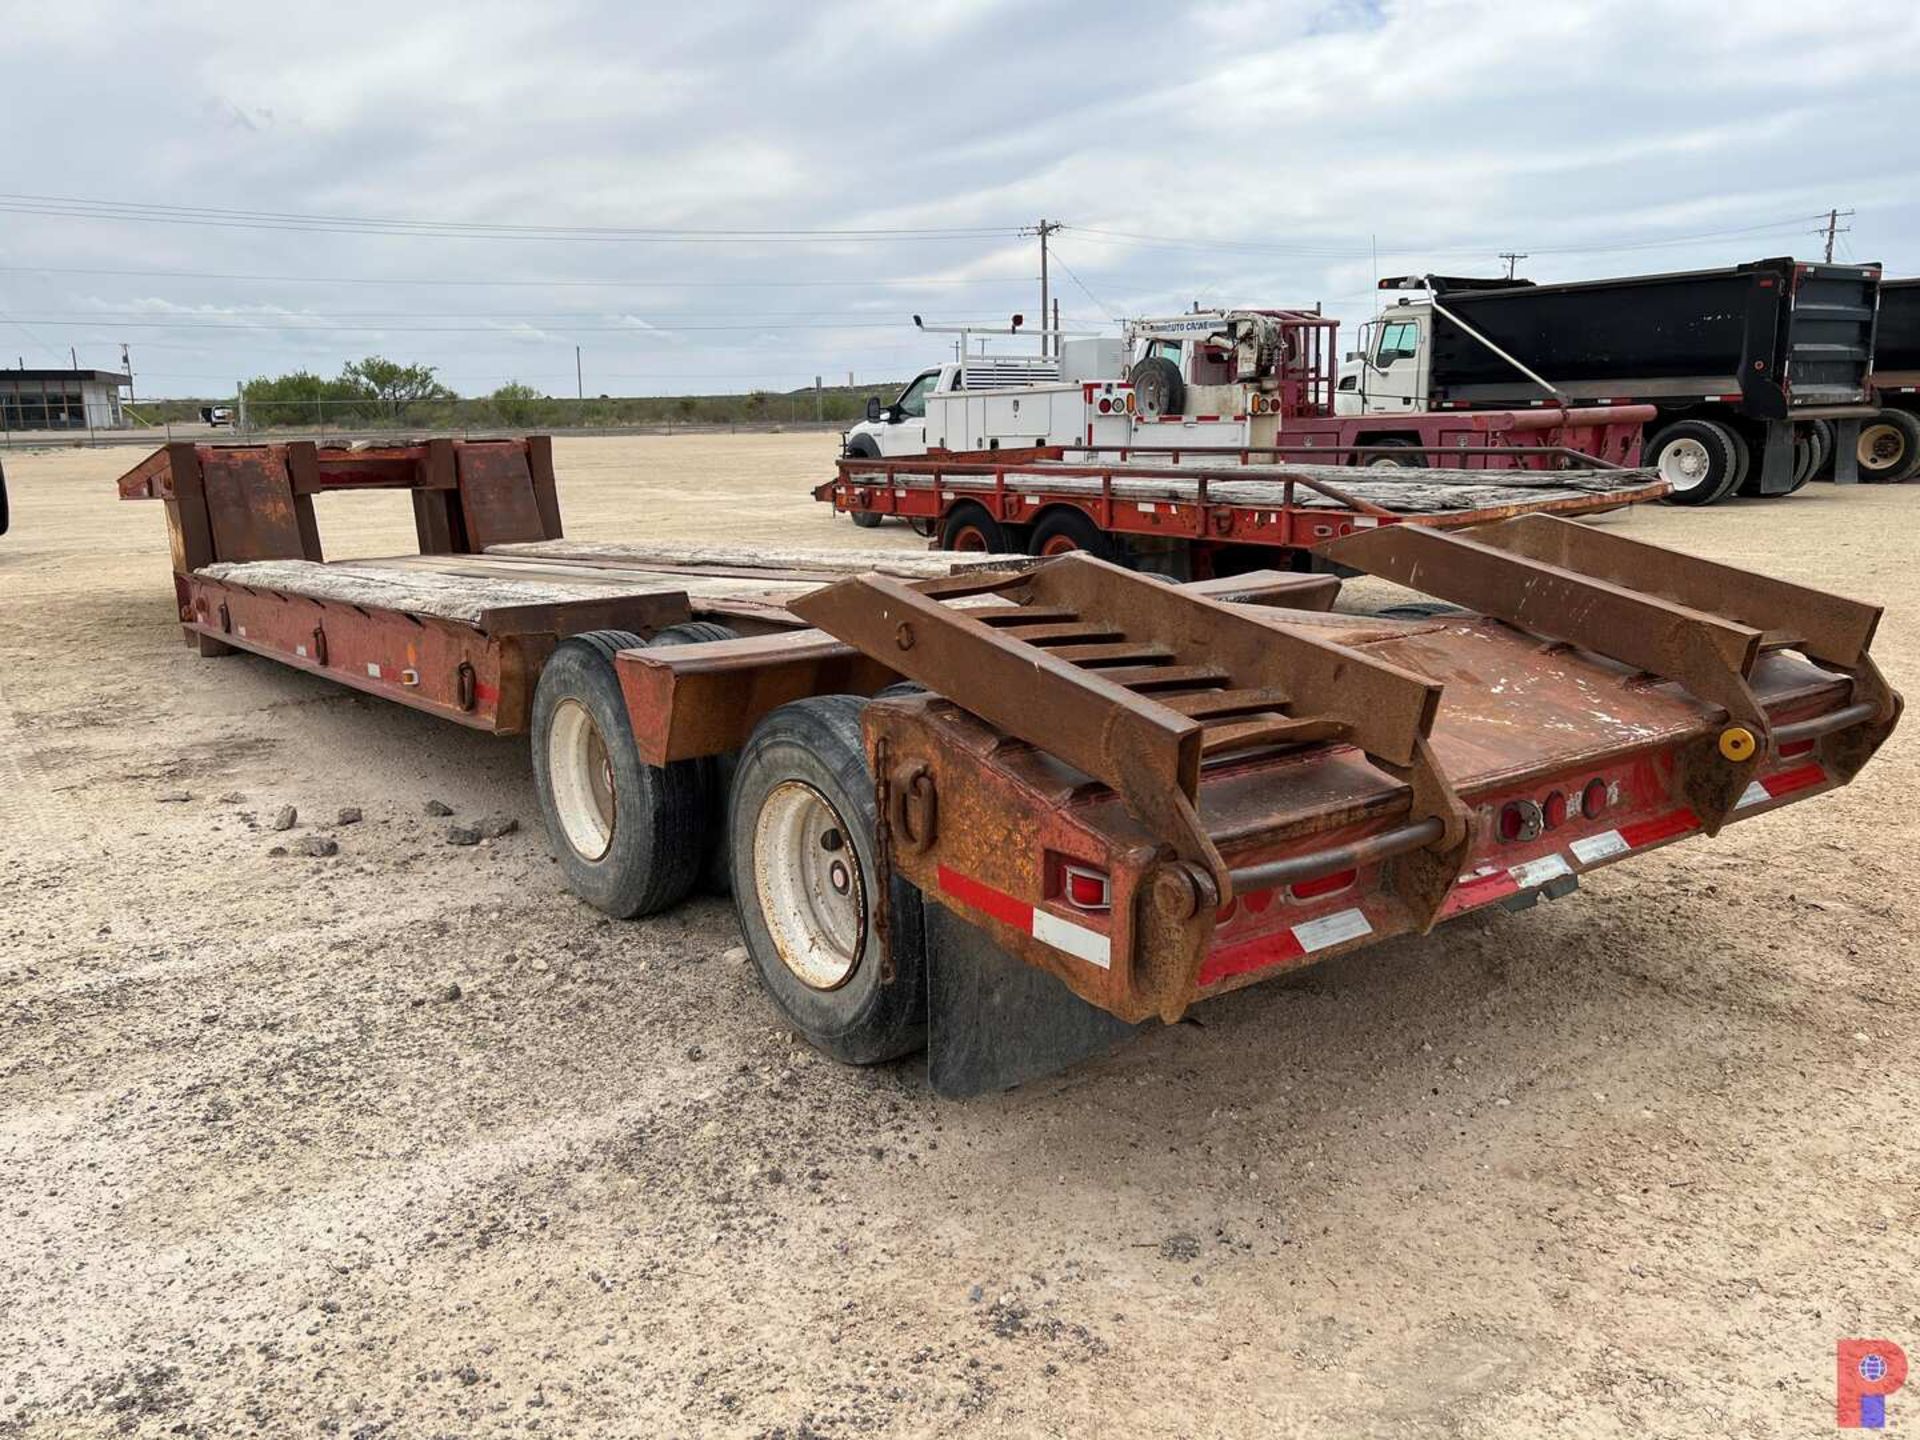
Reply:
x=1010, y=814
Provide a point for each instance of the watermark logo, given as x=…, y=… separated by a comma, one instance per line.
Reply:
x=1866, y=1372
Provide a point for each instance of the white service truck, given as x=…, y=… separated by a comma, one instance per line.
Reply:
x=1002, y=402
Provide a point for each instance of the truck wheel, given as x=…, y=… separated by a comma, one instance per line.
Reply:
x=1405, y=458
x=865, y=519
x=627, y=834
x=1696, y=458
x=969, y=527
x=1806, y=455
x=805, y=886
x=1157, y=386
x=1889, y=447
x=1822, y=431
x=1062, y=531
x=716, y=869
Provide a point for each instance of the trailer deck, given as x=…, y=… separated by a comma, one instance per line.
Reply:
x=1209, y=496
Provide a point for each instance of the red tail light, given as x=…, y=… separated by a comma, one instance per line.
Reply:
x=1087, y=889
x=1593, y=800
x=1553, y=810
x=1323, y=884
x=1106, y=407
x=1796, y=747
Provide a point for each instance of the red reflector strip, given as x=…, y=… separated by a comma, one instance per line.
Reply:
x=1781, y=784
x=1049, y=929
x=1306, y=938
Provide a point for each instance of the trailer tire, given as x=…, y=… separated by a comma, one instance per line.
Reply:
x=1695, y=457
x=1064, y=530
x=866, y=519
x=627, y=834
x=803, y=792
x=1889, y=447
x=1157, y=387
x=970, y=528
x=716, y=868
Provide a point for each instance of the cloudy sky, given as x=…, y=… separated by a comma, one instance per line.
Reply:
x=727, y=196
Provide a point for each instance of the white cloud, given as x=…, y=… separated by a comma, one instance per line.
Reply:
x=1279, y=142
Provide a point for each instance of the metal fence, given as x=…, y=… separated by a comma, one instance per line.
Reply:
x=240, y=418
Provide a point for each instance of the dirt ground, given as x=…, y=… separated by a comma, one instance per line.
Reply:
x=1627, y=1165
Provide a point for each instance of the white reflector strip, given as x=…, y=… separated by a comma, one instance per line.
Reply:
x=1599, y=847
x=1538, y=872
x=1077, y=940
x=1328, y=930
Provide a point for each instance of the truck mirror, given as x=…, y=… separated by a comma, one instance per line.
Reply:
x=873, y=410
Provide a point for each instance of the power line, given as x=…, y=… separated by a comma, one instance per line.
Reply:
x=893, y=282
x=73, y=208
x=1408, y=247
x=640, y=328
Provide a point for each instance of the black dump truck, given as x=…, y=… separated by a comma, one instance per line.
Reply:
x=1759, y=371
x=1889, y=444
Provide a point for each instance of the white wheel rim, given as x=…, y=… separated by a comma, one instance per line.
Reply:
x=1880, y=447
x=1385, y=462
x=580, y=774
x=812, y=894
x=1684, y=464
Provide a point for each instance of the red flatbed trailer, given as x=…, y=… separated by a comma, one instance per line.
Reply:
x=1196, y=504
x=1099, y=799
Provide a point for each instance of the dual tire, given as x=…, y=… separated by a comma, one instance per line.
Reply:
x=788, y=824
x=970, y=528
x=1703, y=460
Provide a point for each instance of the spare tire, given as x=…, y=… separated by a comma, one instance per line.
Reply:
x=1157, y=387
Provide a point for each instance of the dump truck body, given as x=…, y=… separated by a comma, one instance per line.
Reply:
x=1752, y=349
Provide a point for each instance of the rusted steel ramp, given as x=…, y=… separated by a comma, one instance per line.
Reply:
x=1693, y=622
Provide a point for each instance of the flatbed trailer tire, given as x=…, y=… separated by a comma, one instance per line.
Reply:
x=969, y=528
x=628, y=835
x=802, y=837
x=1064, y=529
x=866, y=519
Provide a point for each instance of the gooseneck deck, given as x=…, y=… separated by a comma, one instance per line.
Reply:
x=1009, y=813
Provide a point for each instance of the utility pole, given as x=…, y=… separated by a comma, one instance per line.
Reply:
x=126, y=364
x=579, y=385
x=1056, y=328
x=1513, y=258
x=74, y=356
x=819, y=401
x=1834, y=227
x=1043, y=230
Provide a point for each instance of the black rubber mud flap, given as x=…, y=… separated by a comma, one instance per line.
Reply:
x=993, y=1022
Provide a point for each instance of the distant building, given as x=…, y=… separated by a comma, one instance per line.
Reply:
x=61, y=399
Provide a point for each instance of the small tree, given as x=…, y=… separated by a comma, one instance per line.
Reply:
x=515, y=404
x=393, y=386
